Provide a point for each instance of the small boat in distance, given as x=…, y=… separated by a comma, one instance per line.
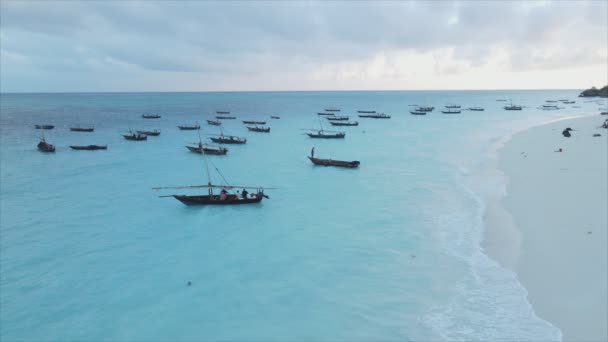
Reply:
x=214, y=122
x=342, y=123
x=82, y=129
x=194, y=127
x=259, y=129
x=449, y=111
x=150, y=116
x=512, y=107
x=322, y=113
x=322, y=134
x=425, y=109
x=135, y=136
x=153, y=133
x=366, y=111
x=501, y=100
x=225, y=117
x=568, y=102
x=551, y=101
x=275, y=117
x=88, y=147
x=453, y=106
x=332, y=109
x=330, y=162
x=337, y=118
x=249, y=122
x=375, y=116
x=222, y=112
x=418, y=112
x=208, y=149
x=44, y=126
x=43, y=146
x=476, y=109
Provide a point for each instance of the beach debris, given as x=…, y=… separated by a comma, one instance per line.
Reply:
x=566, y=133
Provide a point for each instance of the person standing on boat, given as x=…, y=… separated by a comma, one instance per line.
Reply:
x=244, y=193
x=312, y=153
x=223, y=194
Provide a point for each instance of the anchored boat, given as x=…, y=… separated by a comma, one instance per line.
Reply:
x=330, y=162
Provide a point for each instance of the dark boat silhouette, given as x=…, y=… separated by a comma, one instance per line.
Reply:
x=449, y=111
x=223, y=117
x=44, y=126
x=341, y=123
x=150, y=116
x=337, y=118
x=326, y=114
x=248, y=122
x=82, y=129
x=135, y=136
x=208, y=149
x=375, y=116
x=259, y=129
x=153, y=133
x=44, y=146
x=89, y=147
x=214, y=122
x=194, y=127
x=330, y=162
x=366, y=111
x=417, y=113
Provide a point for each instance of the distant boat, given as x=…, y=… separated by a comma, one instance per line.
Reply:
x=322, y=134
x=375, y=116
x=449, y=111
x=225, y=117
x=417, y=113
x=150, y=116
x=512, y=107
x=153, y=133
x=549, y=107
x=249, y=122
x=259, y=129
x=135, y=136
x=321, y=113
x=89, y=147
x=342, y=123
x=44, y=146
x=501, y=100
x=196, y=126
x=226, y=139
x=44, y=126
x=208, y=149
x=425, y=109
x=337, y=118
x=214, y=122
x=569, y=102
x=551, y=101
x=452, y=106
x=330, y=162
x=604, y=113
x=222, y=112
x=275, y=117
x=82, y=129
x=476, y=109
x=332, y=109
x=366, y=111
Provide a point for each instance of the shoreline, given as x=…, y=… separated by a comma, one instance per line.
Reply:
x=549, y=224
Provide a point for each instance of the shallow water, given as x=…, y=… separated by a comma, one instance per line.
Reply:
x=389, y=251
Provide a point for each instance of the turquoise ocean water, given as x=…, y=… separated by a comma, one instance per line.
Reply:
x=390, y=251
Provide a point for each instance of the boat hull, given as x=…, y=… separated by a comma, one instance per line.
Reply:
x=215, y=200
x=217, y=152
x=326, y=136
x=228, y=141
x=76, y=129
x=336, y=163
x=89, y=148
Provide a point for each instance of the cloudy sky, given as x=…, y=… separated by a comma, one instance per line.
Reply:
x=209, y=46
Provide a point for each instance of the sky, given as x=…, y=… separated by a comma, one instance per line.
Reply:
x=90, y=46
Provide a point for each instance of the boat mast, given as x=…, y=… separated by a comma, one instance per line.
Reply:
x=206, y=164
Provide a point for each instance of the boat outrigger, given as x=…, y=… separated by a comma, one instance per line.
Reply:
x=330, y=162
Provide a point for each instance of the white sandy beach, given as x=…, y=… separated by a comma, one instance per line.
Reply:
x=557, y=204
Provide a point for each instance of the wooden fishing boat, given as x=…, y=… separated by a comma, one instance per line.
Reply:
x=208, y=149
x=214, y=122
x=44, y=126
x=449, y=111
x=476, y=109
x=332, y=109
x=512, y=107
x=326, y=114
x=551, y=101
x=248, y=122
x=223, y=117
x=135, y=136
x=150, y=116
x=337, y=118
x=330, y=162
x=321, y=134
x=375, y=116
x=366, y=111
x=453, y=106
x=425, y=109
x=339, y=123
x=417, y=113
x=569, y=102
x=228, y=139
x=224, y=197
x=82, y=129
x=275, y=117
x=222, y=112
x=43, y=146
x=153, y=133
x=89, y=147
x=194, y=127
x=259, y=129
